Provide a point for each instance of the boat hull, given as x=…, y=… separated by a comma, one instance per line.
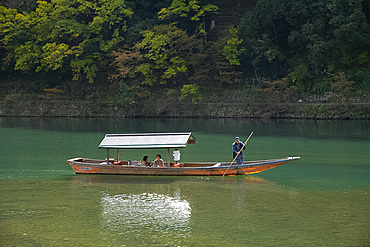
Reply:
x=87, y=166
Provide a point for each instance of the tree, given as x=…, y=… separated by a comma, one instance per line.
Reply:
x=167, y=53
x=191, y=91
x=145, y=18
x=226, y=54
x=126, y=62
x=351, y=33
x=304, y=36
x=186, y=12
x=75, y=36
x=264, y=34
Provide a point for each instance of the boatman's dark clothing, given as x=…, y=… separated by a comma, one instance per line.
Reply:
x=236, y=148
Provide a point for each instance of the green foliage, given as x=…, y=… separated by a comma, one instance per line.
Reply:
x=53, y=55
x=232, y=50
x=321, y=86
x=263, y=31
x=187, y=8
x=301, y=38
x=351, y=31
x=191, y=11
x=226, y=55
x=299, y=75
x=191, y=91
x=145, y=18
x=67, y=36
x=305, y=41
x=361, y=76
x=126, y=93
x=86, y=66
x=173, y=94
x=126, y=96
x=166, y=52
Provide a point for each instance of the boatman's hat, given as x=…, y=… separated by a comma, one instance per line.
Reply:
x=237, y=138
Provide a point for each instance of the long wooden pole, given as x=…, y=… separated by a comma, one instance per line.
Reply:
x=238, y=154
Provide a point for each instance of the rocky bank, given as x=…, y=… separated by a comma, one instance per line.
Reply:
x=177, y=109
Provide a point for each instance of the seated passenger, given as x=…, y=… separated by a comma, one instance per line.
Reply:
x=145, y=161
x=158, y=162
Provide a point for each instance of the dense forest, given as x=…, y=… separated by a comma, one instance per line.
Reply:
x=130, y=51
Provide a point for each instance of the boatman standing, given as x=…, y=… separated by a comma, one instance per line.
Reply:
x=237, y=148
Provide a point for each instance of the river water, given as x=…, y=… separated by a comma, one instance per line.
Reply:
x=320, y=200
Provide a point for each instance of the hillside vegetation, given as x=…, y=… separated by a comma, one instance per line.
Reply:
x=131, y=52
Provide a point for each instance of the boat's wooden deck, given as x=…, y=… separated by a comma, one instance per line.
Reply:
x=126, y=163
x=93, y=162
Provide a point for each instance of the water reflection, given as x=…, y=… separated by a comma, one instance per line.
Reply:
x=123, y=179
x=328, y=129
x=149, y=212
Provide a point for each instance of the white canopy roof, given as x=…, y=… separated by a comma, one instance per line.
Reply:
x=147, y=140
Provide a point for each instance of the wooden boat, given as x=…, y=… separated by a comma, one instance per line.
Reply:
x=164, y=140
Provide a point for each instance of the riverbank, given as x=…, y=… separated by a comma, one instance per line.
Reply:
x=176, y=109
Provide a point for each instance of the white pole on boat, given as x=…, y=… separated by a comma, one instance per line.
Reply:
x=237, y=154
x=168, y=157
x=117, y=155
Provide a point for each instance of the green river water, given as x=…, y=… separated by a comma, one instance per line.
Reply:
x=320, y=200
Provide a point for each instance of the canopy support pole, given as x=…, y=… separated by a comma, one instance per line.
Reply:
x=168, y=157
x=117, y=155
x=107, y=156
